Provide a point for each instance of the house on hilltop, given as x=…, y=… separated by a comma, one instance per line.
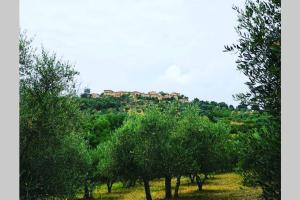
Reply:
x=173, y=94
x=152, y=94
x=108, y=92
x=95, y=95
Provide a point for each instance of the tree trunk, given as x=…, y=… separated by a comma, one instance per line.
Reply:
x=91, y=191
x=192, y=177
x=109, y=185
x=199, y=182
x=206, y=176
x=147, y=189
x=130, y=183
x=168, y=187
x=86, y=190
x=177, y=187
x=133, y=183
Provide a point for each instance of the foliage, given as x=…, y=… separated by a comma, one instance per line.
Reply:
x=259, y=52
x=166, y=142
x=202, y=141
x=53, y=154
x=102, y=126
x=260, y=160
x=259, y=58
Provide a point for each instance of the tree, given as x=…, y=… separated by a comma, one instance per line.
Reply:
x=53, y=153
x=223, y=105
x=260, y=160
x=259, y=53
x=200, y=145
x=106, y=169
x=259, y=58
x=152, y=151
x=182, y=160
x=100, y=129
x=242, y=106
x=99, y=132
x=142, y=148
x=168, y=146
x=125, y=140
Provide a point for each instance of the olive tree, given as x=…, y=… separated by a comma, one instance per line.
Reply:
x=53, y=153
x=200, y=144
x=259, y=58
x=141, y=148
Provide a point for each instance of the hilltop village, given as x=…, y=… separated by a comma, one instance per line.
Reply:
x=138, y=95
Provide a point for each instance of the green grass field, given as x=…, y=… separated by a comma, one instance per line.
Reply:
x=226, y=186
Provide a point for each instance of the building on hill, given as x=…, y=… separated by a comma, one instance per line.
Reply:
x=95, y=95
x=86, y=93
x=167, y=96
x=184, y=100
x=152, y=94
x=145, y=95
x=136, y=93
x=121, y=93
x=108, y=92
x=173, y=94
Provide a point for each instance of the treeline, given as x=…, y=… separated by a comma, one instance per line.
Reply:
x=240, y=118
x=163, y=143
x=125, y=102
x=169, y=140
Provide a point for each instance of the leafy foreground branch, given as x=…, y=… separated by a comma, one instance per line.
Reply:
x=259, y=58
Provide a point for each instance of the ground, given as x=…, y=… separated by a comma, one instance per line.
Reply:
x=225, y=186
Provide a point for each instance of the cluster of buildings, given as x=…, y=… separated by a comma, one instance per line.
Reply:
x=136, y=94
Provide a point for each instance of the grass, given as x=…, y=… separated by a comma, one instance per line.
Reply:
x=225, y=186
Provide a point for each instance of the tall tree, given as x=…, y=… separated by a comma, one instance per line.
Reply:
x=259, y=58
x=259, y=53
x=53, y=154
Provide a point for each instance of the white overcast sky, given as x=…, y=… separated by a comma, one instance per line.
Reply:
x=143, y=45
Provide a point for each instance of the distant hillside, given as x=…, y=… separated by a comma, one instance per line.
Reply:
x=240, y=118
x=125, y=101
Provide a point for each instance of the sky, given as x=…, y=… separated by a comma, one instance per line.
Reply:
x=142, y=45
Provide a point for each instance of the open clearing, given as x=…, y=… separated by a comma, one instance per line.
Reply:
x=225, y=186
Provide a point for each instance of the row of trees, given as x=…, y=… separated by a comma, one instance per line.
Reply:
x=165, y=144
